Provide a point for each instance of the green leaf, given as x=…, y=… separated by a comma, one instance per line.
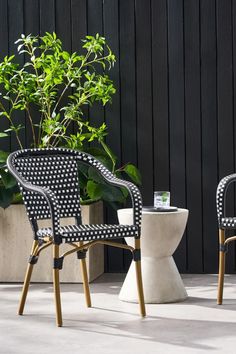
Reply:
x=82, y=181
x=106, y=162
x=3, y=156
x=133, y=173
x=83, y=169
x=17, y=198
x=109, y=152
x=110, y=193
x=94, y=190
x=7, y=179
x=125, y=192
x=95, y=176
x=65, y=55
x=95, y=151
x=5, y=197
x=7, y=98
x=3, y=135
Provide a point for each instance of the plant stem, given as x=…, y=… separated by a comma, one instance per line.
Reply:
x=32, y=125
x=62, y=94
x=3, y=108
x=97, y=60
x=8, y=115
x=109, y=154
x=40, y=128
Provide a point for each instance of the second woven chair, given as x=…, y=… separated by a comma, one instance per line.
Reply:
x=225, y=223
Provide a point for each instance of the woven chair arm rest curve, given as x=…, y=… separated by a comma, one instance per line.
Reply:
x=109, y=177
x=135, y=195
x=221, y=195
x=45, y=192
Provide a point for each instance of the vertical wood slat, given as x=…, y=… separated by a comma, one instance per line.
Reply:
x=225, y=104
x=234, y=86
x=63, y=23
x=193, y=135
x=173, y=113
x=31, y=25
x=31, y=17
x=47, y=16
x=112, y=112
x=16, y=28
x=4, y=124
x=128, y=113
x=160, y=95
x=209, y=134
x=128, y=81
x=95, y=25
x=78, y=31
x=78, y=23
x=63, y=31
x=177, y=115
x=144, y=97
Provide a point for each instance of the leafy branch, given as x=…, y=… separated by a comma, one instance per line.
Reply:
x=59, y=85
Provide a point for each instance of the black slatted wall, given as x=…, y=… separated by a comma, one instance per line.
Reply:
x=173, y=114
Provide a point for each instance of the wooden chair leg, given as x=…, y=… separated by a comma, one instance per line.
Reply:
x=139, y=281
x=56, y=285
x=26, y=281
x=221, y=268
x=85, y=280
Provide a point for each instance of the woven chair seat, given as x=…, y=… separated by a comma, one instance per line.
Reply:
x=75, y=233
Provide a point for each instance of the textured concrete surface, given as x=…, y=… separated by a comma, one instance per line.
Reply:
x=196, y=325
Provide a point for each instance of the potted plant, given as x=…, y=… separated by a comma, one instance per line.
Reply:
x=57, y=86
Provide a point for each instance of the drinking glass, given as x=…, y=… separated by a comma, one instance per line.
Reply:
x=161, y=199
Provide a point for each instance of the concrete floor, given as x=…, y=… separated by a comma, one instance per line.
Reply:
x=196, y=325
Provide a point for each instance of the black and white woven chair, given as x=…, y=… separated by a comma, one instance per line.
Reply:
x=48, y=179
x=225, y=223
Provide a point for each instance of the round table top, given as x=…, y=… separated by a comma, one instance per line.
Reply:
x=179, y=211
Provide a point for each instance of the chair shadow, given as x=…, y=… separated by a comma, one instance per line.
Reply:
x=189, y=333
x=158, y=329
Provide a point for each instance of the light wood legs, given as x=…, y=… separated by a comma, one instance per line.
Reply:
x=85, y=280
x=139, y=281
x=26, y=281
x=56, y=285
x=221, y=268
x=56, y=279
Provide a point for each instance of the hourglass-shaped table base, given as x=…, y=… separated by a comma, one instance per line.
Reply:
x=161, y=234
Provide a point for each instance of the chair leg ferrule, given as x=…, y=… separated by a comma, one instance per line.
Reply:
x=136, y=255
x=58, y=263
x=81, y=254
x=223, y=247
x=33, y=259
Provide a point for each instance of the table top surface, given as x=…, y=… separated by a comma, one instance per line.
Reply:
x=179, y=211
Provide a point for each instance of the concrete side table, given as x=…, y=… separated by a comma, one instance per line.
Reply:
x=161, y=234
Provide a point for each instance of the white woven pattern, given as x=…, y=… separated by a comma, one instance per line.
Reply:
x=223, y=221
x=75, y=233
x=48, y=179
x=59, y=174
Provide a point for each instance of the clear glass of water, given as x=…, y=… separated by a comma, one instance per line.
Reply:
x=161, y=199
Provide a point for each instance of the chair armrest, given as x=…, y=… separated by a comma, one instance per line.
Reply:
x=221, y=195
x=112, y=179
x=135, y=198
x=44, y=192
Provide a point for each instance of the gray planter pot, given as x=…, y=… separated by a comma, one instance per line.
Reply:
x=15, y=245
